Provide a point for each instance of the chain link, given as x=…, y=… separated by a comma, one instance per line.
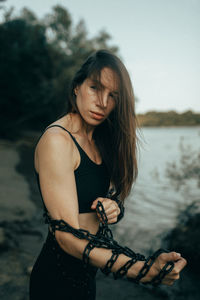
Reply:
x=104, y=239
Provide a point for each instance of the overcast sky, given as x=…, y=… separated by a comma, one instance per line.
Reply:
x=159, y=41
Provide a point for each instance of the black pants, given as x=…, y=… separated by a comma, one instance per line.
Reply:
x=57, y=275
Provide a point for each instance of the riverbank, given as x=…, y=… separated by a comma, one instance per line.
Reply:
x=169, y=118
x=22, y=233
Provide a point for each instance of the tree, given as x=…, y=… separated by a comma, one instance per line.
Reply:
x=38, y=59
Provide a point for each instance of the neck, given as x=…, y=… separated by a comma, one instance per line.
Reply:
x=80, y=127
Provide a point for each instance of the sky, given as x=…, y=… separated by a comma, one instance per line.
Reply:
x=159, y=43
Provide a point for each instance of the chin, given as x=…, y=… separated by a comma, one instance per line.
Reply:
x=94, y=122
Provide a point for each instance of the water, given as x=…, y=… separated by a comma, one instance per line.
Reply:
x=153, y=205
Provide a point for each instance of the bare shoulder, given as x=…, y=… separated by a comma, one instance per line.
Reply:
x=56, y=144
x=55, y=157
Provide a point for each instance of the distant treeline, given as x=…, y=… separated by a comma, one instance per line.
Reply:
x=38, y=58
x=169, y=118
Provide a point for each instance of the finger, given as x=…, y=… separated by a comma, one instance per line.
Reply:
x=175, y=276
x=112, y=215
x=172, y=276
x=175, y=273
x=110, y=212
x=94, y=204
x=179, y=265
x=113, y=220
x=171, y=256
x=107, y=203
x=168, y=281
x=110, y=220
x=111, y=207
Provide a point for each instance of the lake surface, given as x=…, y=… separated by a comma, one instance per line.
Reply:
x=153, y=205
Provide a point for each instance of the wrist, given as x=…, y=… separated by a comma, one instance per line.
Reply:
x=134, y=270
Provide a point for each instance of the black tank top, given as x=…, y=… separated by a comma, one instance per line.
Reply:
x=92, y=180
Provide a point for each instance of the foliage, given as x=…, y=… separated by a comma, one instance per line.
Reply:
x=186, y=169
x=169, y=118
x=184, y=238
x=38, y=59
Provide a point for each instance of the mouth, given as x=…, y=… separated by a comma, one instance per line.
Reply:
x=97, y=116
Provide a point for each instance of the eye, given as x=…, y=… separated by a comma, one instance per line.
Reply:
x=113, y=96
x=94, y=87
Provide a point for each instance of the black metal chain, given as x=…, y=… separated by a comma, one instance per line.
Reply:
x=104, y=239
x=119, y=203
x=107, y=269
x=168, y=267
x=147, y=265
x=86, y=253
x=124, y=269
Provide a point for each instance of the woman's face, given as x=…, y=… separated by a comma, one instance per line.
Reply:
x=96, y=100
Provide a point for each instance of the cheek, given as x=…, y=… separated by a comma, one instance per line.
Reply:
x=112, y=105
x=83, y=98
x=80, y=100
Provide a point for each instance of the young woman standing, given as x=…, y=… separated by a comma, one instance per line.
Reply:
x=79, y=158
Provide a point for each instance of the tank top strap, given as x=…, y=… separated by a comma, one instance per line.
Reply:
x=84, y=156
x=73, y=138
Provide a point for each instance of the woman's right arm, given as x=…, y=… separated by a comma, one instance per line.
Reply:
x=56, y=156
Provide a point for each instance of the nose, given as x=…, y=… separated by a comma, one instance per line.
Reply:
x=104, y=99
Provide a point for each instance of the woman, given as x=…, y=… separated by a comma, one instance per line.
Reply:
x=82, y=156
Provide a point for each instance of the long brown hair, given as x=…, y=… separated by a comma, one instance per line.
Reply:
x=116, y=136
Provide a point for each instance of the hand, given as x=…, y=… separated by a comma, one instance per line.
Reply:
x=169, y=279
x=111, y=208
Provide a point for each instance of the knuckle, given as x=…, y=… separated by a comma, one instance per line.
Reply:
x=162, y=255
x=174, y=255
x=113, y=206
x=175, y=271
x=113, y=221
